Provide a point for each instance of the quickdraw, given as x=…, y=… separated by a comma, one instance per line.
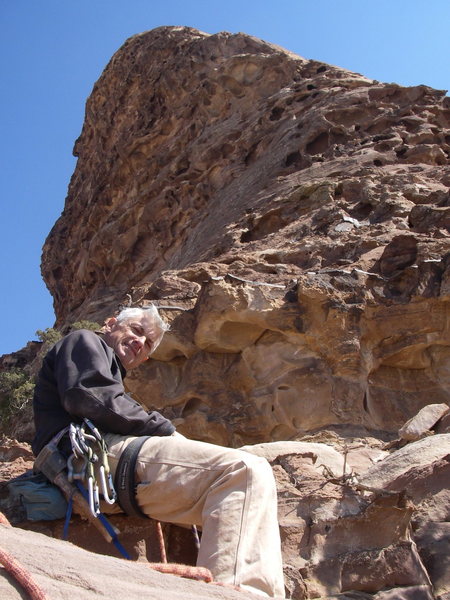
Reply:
x=89, y=450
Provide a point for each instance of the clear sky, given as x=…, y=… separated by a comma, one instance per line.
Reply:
x=53, y=51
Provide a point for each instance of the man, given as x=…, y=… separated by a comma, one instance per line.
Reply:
x=229, y=493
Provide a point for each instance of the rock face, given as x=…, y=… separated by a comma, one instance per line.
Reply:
x=294, y=216
x=291, y=219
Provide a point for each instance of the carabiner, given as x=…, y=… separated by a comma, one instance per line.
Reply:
x=105, y=487
x=94, y=501
x=75, y=441
x=94, y=429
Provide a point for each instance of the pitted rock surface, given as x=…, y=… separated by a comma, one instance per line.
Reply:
x=293, y=215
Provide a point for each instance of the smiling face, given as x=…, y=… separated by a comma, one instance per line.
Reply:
x=131, y=339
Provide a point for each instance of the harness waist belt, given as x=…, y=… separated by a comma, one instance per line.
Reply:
x=125, y=478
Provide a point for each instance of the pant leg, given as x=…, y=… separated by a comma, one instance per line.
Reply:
x=229, y=493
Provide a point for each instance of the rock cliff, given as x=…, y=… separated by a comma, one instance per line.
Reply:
x=293, y=216
x=291, y=220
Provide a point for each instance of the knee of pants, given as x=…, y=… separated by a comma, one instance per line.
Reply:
x=261, y=473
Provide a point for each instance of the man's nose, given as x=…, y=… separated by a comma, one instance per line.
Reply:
x=138, y=341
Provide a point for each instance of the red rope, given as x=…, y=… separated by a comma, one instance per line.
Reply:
x=197, y=573
x=162, y=545
x=19, y=573
x=4, y=520
x=188, y=571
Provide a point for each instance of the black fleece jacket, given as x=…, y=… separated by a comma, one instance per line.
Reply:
x=81, y=376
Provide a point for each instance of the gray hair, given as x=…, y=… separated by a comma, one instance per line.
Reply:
x=149, y=312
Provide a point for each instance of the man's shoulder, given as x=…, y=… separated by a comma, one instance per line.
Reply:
x=81, y=334
x=84, y=337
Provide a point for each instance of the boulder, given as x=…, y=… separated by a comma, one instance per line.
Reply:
x=425, y=420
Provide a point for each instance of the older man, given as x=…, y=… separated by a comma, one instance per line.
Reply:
x=229, y=493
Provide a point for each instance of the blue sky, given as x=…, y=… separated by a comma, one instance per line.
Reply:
x=53, y=51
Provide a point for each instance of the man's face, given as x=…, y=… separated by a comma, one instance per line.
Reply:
x=132, y=339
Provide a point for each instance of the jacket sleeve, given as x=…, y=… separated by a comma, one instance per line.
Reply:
x=84, y=368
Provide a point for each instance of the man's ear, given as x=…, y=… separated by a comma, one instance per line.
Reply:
x=109, y=323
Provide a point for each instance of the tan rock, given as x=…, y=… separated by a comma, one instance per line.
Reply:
x=425, y=419
x=417, y=592
x=293, y=217
x=409, y=460
x=334, y=534
x=320, y=456
x=433, y=541
x=64, y=571
x=443, y=425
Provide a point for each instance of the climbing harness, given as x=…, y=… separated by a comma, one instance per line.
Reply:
x=125, y=485
x=90, y=456
x=125, y=480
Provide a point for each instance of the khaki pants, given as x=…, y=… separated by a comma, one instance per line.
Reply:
x=229, y=493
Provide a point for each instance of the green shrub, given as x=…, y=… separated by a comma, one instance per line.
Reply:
x=16, y=389
x=49, y=336
x=84, y=325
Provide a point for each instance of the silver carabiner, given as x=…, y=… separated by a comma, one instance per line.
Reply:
x=94, y=429
x=94, y=501
x=74, y=440
x=105, y=486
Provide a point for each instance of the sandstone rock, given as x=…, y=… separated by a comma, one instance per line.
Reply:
x=291, y=215
x=433, y=541
x=422, y=469
x=425, y=419
x=410, y=461
x=15, y=459
x=418, y=592
x=443, y=425
x=319, y=456
x=335, y=535
x=64, y=571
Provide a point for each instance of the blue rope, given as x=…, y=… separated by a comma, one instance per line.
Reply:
x=68, y=517
x=103, y=520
